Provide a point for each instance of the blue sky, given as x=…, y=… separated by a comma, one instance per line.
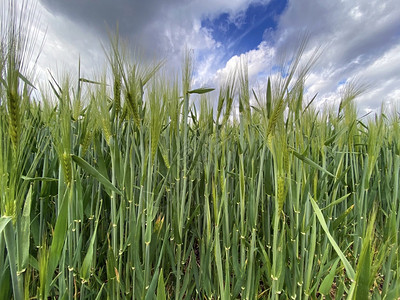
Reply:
x=245, y=32
x=360, y=38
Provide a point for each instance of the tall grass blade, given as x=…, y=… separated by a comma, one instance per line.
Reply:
x=326, y=284
x=59, y=234
x=24, y=234
x=161, y=287
x=346, y=263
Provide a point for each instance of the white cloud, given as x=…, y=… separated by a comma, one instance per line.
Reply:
x=361, y=40
x=258, y=60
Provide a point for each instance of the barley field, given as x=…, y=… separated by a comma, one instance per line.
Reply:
x=137, y=185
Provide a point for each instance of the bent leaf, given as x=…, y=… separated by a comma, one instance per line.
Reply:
x=96, y=174
x=201, y=91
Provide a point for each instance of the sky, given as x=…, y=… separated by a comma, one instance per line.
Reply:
x=360, y=39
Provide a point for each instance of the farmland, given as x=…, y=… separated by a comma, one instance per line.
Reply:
x=135, y=185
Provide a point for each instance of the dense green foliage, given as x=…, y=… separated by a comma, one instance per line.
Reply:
x=128, y=190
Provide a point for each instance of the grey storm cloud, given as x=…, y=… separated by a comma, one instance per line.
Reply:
x=132, y=15
x=136, y=19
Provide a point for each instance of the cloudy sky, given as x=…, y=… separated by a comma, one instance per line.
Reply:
x=360, y=38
